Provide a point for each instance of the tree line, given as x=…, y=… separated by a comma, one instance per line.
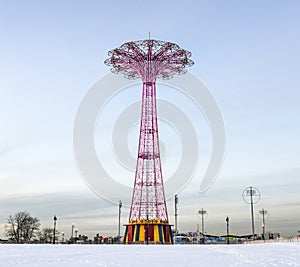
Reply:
x=21, y=227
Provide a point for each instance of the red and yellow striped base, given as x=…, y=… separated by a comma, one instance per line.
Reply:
x=152, y=232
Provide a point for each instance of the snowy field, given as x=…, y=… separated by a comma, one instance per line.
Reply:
x=273, y=254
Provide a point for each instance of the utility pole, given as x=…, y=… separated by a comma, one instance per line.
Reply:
x=119, y=229
x=176, y=213
x=263, y=212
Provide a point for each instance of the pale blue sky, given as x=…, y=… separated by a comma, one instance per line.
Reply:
x=246, y=52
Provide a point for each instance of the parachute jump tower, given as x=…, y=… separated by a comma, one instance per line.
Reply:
x=148, y=60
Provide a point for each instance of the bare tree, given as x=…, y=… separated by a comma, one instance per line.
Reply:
x=46, y=235
x=21, y=227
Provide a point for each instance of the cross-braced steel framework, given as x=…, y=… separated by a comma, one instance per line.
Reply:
x=149, y=60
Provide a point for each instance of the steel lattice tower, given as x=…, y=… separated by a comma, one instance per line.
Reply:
x=148, y=60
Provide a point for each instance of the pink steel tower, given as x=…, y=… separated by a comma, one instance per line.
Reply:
x=148, y=60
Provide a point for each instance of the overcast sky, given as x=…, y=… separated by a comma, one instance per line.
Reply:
x=246, y=52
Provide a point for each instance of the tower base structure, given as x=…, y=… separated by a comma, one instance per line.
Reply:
x=148, y=232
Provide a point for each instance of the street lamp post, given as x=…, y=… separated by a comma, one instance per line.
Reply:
x=72, y=233
x=54, y=228
x=263, y=212
x=227, y=224
x=119, y=229
x=176, y=213
x=76, y=236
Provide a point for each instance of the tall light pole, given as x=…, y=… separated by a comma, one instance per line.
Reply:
x=119, y=229
x=54, y=228
x=203, y=213
x=252, y=212
x=227, y=226
x=176, y=213
x=251, y=196
x=263, y=212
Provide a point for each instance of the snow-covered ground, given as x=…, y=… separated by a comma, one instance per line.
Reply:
x=274, y=254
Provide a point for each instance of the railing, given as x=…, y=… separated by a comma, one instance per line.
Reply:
x=291, y=239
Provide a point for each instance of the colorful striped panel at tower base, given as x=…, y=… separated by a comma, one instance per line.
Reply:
x=139, y=233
